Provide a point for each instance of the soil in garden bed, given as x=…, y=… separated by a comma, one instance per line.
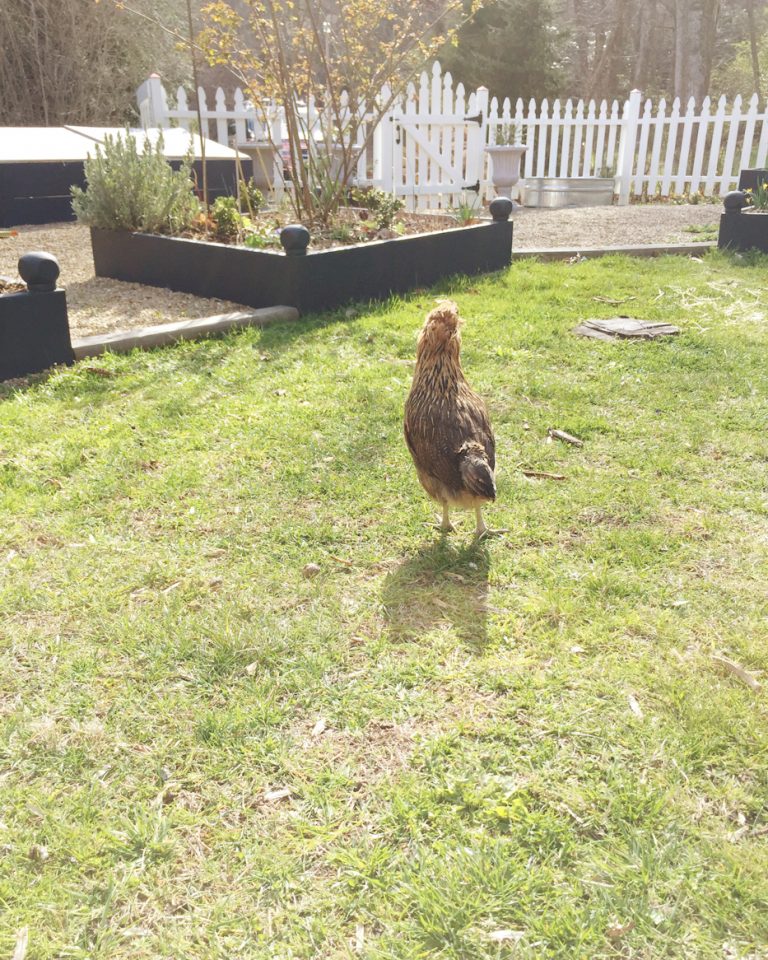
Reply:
x=352, y=225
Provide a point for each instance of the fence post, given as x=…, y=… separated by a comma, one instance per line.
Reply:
x=153, y=108
x=477, y=138
x=627, y=141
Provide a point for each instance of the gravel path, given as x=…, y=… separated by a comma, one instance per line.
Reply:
x=97, y=305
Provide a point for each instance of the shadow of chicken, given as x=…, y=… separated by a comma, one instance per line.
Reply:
x=446, y=424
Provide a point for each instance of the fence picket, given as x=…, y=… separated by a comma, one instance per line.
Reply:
x=658, y=136
x=565, y=153
x=762, y=147
x=749, y=133
x=541, y=153
x=685, y=146
x=642, y=149
x=714, y=147
x=701, y=139
x=730, y=146
x=554, y=144
x=578, y=130
x=602, y=124
x=613, y=126
x=669, y=157
x=530, y=139
x=586, y=169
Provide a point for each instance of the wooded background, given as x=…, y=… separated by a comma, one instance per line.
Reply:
x=79, y=61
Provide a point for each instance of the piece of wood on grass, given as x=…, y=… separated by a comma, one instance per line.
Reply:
x=738, y=671
x=625, y=328
x=555, y=434
x=543, y=475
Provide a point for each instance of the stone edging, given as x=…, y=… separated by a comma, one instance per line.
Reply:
x=121, y=341
x=642, y=250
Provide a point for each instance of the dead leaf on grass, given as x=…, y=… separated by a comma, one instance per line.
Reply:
x=272, y=796
x=319, y=728
x=38, y=853
x=22, y=941
x=619, y=930
x=100, y=371
x=635, y=707
x=738, y=671
x=506, y=936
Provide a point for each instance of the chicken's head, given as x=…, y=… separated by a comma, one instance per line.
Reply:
x=442, y=329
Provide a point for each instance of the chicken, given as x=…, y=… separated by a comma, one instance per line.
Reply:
x=446, y=424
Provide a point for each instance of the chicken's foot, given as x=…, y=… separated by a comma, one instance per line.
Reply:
x=481, y=531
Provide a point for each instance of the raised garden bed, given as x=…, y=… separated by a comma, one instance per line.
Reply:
x=742, y=229
x=34, y=331
x=302, y=278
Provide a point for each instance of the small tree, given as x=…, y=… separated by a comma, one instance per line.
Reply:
x=352, y=57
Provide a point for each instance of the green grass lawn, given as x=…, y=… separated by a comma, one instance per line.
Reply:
x=205, y=755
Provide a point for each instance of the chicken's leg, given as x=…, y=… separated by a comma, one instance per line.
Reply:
x=445, y=525
x=481, y=530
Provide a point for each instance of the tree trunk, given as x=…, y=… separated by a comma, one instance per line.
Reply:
x=641, y=68
x=695, y=31
x=753, y=48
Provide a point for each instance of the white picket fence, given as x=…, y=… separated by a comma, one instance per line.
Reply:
x=429, y=146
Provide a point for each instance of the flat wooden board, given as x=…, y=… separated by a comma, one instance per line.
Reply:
x=625, y=328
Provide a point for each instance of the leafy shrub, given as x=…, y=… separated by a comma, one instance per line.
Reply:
x=132, y=190
x=228, y=221
x=251, y=198
x=384, y=206
x=262, y=237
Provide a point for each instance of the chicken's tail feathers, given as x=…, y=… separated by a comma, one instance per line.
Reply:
x=476, y=473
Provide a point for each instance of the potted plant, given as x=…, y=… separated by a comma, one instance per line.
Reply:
x=744, y=224
x=506, y=154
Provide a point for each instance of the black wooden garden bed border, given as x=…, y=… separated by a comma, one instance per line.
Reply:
x=318, y=280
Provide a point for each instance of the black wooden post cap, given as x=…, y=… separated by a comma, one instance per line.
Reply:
x=735, y=201
x=39, y=271
x=295, y=239
x=501, y=208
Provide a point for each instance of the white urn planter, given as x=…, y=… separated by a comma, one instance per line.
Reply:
x=505, y=166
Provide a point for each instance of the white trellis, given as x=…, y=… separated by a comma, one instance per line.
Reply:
x=429, y=146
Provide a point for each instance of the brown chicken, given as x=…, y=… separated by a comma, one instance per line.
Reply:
x=446, y=424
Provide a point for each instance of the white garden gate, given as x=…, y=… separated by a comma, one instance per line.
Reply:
x=437, y=142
